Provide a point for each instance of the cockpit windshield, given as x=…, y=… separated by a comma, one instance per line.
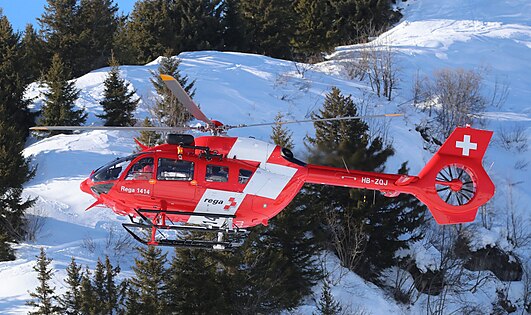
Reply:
x=112, y=170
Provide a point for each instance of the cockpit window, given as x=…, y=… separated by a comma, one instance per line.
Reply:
x=215, y=173
x=244, y=176
x=171, y=169
x=142, y=170
x=112, y=170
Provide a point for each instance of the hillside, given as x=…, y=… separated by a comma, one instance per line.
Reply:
x=243, y=88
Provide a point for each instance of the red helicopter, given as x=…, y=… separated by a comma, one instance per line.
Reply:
x=222, y=185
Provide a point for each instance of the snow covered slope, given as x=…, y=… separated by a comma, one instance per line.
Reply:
x=243, y=88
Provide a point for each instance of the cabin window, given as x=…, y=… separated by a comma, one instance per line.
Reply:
x=244, y=176
x=171, y=169
x=216, y=173
x=141, y=170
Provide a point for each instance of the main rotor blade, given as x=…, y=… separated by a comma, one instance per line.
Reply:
x=310, y=120
x=72, y=128
x=184, y=98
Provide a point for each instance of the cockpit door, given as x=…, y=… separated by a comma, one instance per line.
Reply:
x=137, y=183
x=175, y=186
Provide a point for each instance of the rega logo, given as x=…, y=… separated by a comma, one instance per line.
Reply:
x=213, y=201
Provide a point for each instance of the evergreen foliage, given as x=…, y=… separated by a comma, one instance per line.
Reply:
x=280, y=135
x=168, y=110
x=148, y=287
x=314, y=32
x=357, y=19
x=15, y=119
x=114, y=293
x=6, y=252
x=58, y=108
x=381, y=220
x=149, y=138
x=269, y=26
x=60, y=28
x=87, y=295
x=197, y=288
x=327, y=305
x=118, y=102
x=44, y=298
x=70, y=302
x=33, y=54
x=98, y=24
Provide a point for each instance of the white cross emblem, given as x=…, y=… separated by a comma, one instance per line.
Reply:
x=466, y=145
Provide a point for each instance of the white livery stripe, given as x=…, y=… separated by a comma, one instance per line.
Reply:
x=216, y=201
x=269, y=181
x=251, y=149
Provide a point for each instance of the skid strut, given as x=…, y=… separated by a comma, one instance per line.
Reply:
x=189, y=236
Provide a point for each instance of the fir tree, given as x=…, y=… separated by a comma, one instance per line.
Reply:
x=280, y=135
x=43, y=299
x=87, y=295
x=6, y=252
x=327, y=305
x=59, y=25
x=15, y=119
x=198, y=24
x=148, y=284
x=383, y=220
x=151, y=30
x=168, y=109
x=34, y=54
x=114, y=293
x=15, y=107
x=269, y=25
x=59, y=103
x=98, y=23
x=118, y=102
x=234, y=32
x=98, y=288
x=70, y=301
x=148, y=138
x=197, y=288
x=314, y=34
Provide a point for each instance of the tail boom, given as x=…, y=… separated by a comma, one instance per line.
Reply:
x=453, y=185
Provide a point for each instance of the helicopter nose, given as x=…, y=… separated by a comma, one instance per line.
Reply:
x=85, y=186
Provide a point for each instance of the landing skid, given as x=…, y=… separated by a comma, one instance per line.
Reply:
x=156, y=231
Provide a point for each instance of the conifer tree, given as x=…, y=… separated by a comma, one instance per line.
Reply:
x=197, y=287
x=148, y=284
x=383, y=220
x=59, y=26
x=151, y=30
x=59, y=103
x=114, y=293
x=15, y=119
x=87, y=295
x=34, y=54
x=70, y=301
x=118, y=102
x=327, y=305
x=149, y=138
x=98, y=287
x=357, y=19
x=98, y=23
x=234, y=31
x=198, y=24
x=168, y=109
x=6, y=252
x=12, y=100
x=270, y=26
x=314, y=33
x=43, y=299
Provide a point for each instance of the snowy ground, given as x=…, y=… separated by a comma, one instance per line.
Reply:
x=242, y=88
